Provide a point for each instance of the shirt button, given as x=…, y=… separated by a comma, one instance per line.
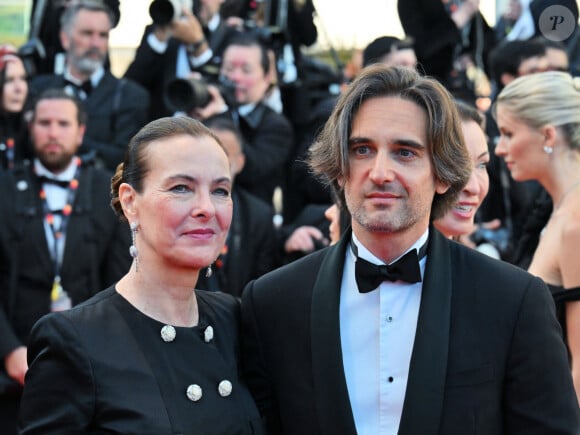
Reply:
x=389, y=319
x=390, y=379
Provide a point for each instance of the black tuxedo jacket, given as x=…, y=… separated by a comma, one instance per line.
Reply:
x=488, y=356
x=116, y=110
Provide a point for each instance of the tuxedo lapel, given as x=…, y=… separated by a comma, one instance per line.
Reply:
x=331, y=394
x=425, y=387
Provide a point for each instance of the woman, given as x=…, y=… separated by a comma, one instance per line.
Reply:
x=458, y=222
x=538, y=116
x=151, y=355
x=13, y=93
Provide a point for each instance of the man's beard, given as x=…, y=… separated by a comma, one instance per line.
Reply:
x=86, y=64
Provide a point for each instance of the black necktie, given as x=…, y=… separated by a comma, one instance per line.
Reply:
x=369, y=276
x=61, y=183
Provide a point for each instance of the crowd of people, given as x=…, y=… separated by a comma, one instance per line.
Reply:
x=235, y=237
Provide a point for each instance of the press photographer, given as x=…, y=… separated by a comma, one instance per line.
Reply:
x=267, y=135
x=186, y=36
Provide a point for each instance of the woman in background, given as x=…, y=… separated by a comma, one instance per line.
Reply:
x=151, y=355
x=538, y=116
x=459, y=222
x=13, y=94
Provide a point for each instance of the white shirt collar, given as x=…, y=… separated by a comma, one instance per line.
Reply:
x=65, y=175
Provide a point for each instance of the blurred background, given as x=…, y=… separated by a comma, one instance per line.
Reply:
x=343, y=25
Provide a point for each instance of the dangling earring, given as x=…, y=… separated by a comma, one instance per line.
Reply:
x=208, y=272
x=133, y=248
x=548, y=150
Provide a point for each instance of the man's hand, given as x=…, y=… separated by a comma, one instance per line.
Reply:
x=187, y=28
x=16, y=365
x=215, y=106
x=302, y=239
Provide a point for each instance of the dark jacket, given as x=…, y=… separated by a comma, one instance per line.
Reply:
x=488, y=356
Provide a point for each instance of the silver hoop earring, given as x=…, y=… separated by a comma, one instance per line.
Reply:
x=133, y=248
x=208, y=272
x=548, y=150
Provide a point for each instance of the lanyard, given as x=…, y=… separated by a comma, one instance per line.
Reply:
x=59, y=232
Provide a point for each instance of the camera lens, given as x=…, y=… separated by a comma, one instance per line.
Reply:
x=183, y=95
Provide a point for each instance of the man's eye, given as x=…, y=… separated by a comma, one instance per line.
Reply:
x=361, y=150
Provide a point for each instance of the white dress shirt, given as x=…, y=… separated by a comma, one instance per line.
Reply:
x=377, y=331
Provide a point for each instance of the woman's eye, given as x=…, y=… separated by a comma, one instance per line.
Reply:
x=180, y=188
x=222, y=191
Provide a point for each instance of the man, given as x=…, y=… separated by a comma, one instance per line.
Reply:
x=60, y=242
x=458, y=344
x=116, y=108
x=268, y=136
x=390, y=50
x=174, y=50
x=250, y=249
x=45, y=18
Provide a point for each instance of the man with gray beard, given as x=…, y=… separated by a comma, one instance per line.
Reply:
x=116, y=108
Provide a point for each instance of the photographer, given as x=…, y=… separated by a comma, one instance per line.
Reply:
x=268, y=136
x=190, y=39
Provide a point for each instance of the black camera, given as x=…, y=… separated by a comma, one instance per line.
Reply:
x=163, y=12
x=184, y=95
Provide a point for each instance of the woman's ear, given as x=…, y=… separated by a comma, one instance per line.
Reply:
x=127, y=197
x=550, y=134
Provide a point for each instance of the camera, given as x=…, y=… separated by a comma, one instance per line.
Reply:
x=498, y=238
x=164, y=12
x=184, y=95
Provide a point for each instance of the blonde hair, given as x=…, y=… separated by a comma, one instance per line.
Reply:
x=548, y=98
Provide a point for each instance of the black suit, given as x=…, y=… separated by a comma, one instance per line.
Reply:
x=268, y=142
x=116, y=110
x=96, y=251
x=488, y=356
x=154, y=70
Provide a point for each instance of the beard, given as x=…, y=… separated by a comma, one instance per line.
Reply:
x=86, y=62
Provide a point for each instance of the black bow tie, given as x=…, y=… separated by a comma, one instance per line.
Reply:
x=62, y=183
x=85, y=86
x=369, y=276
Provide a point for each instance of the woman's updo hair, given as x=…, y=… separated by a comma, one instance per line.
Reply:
x=548, y=98
x=136, y=164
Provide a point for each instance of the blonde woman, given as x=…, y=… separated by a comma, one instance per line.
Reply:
x=539, y=120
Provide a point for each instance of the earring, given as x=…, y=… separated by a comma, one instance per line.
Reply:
x=133, y=248
x=548, y=150
x=208, y=272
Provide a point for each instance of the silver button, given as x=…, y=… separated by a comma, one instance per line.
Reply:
x=225, y=388
x=208, y=334
x=194, y=392
x=168, y=333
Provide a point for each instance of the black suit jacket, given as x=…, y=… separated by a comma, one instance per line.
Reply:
x=488, y=356
x=268, y=143
x=96, y=250
x=116, y=109
x=102, y=367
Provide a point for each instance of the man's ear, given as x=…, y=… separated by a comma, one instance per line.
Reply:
x=64, y=40
x=441, y=187
x=506, y=78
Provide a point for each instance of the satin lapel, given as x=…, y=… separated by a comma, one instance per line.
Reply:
x=425, y=387
x=333, y=404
